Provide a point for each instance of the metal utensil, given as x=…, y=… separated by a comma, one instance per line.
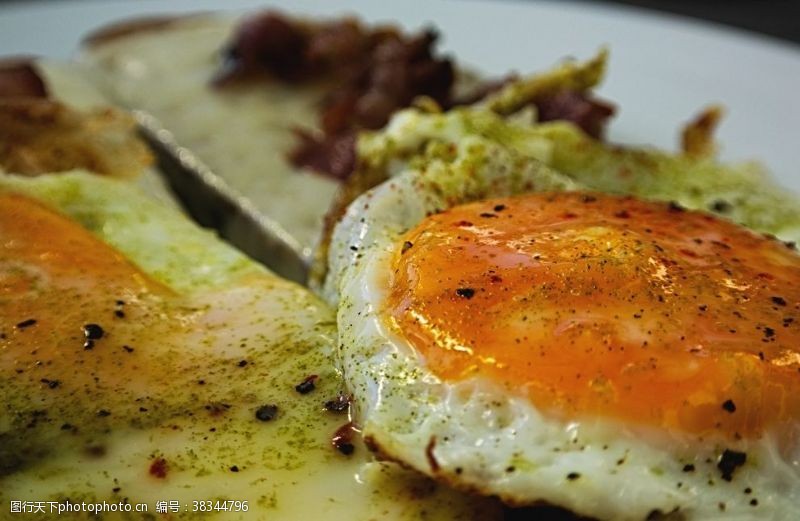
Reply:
x=209, y=200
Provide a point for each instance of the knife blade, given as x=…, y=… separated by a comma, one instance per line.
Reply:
x=212, y=203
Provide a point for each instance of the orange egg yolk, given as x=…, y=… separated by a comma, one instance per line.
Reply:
x=592, y=305
x=58, y=283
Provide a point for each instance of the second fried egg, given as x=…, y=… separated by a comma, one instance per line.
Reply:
x=621, y=358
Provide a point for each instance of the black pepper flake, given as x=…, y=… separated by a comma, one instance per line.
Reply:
x=119, y=313
x=267, y=412
x=676, y=207
x=729, y=462
x=103, y=413
x=339, y=404
x=588, y=198
x=406, y=246
x=622, y=214
x=128, y=349
x=93, y=332
x=234, y=468
x=721, y=206
x=754, y=502
x=26, y=323
x=307, y=385
x=242, y=363
x=572, y=476
x=466, y=293
x=52, y=384
x=769, y=332
x=353, y=248
x=499, y=207
x=688, y=467
x=488, y=215
x=779, y=301
x=89, y=344
x=729, y=406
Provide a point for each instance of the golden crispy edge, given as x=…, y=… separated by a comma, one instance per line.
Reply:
x=39, y=136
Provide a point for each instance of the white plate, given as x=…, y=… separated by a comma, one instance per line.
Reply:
x=663, y=69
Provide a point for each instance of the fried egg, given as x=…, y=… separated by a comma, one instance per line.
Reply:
x=144, y=361
x=508, y=332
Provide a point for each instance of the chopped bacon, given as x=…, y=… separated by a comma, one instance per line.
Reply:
x=333, y=154
x=373, y=72
x=19, y=79
x=587, y=112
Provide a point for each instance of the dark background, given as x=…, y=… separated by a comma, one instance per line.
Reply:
x=778, y=18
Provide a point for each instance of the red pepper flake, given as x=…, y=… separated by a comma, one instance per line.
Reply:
x=430, y=456
x=464, y=223
x=307, y=385
x=158, y=468
x=622, y=214
x=342, y=439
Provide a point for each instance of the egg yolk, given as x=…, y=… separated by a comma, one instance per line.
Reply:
x=72, y=309
x=598, y=305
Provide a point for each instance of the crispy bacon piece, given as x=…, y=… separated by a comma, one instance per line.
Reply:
x=19, y=79
x=334, y=155
x=42, y=136
x=373, y=72
x=587, y=112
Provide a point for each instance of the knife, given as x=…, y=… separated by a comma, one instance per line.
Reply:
x=212, y=203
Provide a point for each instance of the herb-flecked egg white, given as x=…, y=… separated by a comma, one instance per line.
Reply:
x=142, y=360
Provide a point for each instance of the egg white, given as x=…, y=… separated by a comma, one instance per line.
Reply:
x=473, y=433
x=230, y=309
